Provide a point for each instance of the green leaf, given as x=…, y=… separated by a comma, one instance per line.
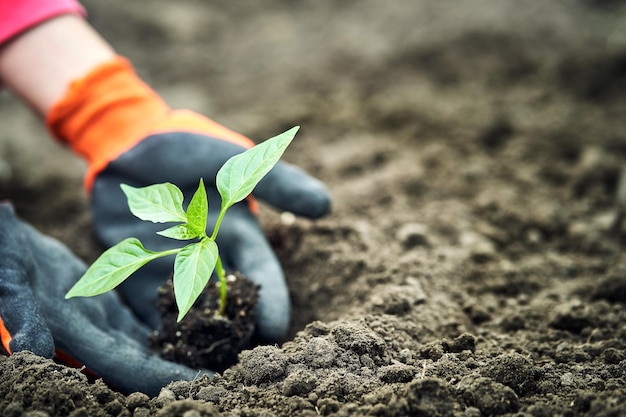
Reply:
x=197, y=210
x=113, y=267
x=180, y=232
x=158, y=203
x=192, y=270
x=241, y=173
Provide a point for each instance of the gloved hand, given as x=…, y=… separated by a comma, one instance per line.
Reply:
x=100, y=332
x=129, y=135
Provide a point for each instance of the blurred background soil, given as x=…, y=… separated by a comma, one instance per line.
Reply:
x=475, y=151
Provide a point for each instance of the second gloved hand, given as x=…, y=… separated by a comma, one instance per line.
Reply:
x=128, y=135
x=100, y=332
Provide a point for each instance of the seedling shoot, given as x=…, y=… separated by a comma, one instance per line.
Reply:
x=163, y=203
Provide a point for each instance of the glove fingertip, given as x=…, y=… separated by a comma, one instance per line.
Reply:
x=290, y=189
x=39, y=343
x=274, y=314
x=311, y=200
x=319, y=203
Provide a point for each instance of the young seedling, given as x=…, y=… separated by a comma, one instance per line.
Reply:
x=163, y=203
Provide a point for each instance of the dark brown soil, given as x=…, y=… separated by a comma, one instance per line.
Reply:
x=474, y=261
x=204, y=338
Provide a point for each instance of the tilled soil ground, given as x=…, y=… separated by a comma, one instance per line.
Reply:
x=473, y=263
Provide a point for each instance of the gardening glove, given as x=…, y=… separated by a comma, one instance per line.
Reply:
x=100, y=332
x=129, y=135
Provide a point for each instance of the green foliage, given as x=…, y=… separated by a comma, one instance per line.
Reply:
x=241, y=173
x=112, y=267
x=159, y=203
x=192, y=269
x=163, y=203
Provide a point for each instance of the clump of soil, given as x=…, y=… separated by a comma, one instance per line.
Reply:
x=204, y=338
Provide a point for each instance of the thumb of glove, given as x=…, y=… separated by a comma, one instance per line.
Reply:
x=289, y=188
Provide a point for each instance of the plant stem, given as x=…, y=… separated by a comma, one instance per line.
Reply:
x=219, y=268
x=218, y=222
x=221, y=275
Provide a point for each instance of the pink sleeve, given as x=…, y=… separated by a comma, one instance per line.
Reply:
x=17, y=16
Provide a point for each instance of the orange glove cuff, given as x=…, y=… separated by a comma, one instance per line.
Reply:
x=110, y=110
x=5, y=337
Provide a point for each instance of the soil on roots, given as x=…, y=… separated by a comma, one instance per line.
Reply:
x=205, y=338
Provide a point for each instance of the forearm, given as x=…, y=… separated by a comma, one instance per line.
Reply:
x=40, y=64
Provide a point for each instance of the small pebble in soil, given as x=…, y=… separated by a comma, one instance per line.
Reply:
x=287, y=218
